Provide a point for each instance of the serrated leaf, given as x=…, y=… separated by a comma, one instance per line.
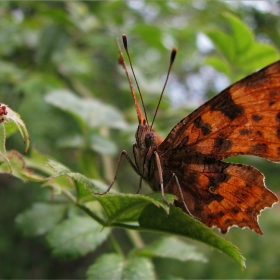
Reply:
x=171, y=247
x=18, y=166
x=113, y=266
x=82, y=181
x=108, y=266
x=177, y=222
x=3, y=150
x=127, y=207
x=40, y=219
x=37, y=160
x=15, y=118
x=76, y=237
x=138, y=268
x=59, y=184
x=58, y=168
x=88, y=112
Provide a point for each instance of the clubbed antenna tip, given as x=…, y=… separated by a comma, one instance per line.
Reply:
x=124, y=41
x=173, y=55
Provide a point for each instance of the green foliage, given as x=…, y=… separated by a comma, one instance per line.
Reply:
x=59, y=71
x=113, y=266
x=76, y=237
x=242, y=53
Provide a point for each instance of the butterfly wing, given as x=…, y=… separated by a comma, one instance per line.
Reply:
x=242, y=119
x=219, y=193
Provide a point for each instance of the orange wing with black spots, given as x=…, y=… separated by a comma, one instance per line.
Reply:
x=243, y=119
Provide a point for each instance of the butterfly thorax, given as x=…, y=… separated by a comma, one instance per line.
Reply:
x=147, y=142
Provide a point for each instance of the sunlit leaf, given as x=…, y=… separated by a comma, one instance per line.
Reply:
x=76, y=237
x=113, y=266
x=88, y=112
x=223, y=42
x=127, y=207
x=171, y=247
x=179, y=223
x=242, y=36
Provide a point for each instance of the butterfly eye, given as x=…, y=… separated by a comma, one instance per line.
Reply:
x=150, y=139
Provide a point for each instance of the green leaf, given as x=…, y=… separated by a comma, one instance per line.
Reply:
x=76, y=237
x=88, y=112
x=11, y=128
x=127, y=207
x=137, y=268
x=219, y=64
x=15, y=117
x=3, y=154
x=177, y=222
x=84, y=186
x=113, y=266
x=223, y=42
x=260, y=55
x=173, y=248
x=58, y=168
x=108, y=266
x=17, y=163
x=37, y=160
x=242, y=36
x=40, y=219
x=99, y=144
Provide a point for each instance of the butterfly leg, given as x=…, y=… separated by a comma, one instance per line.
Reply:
x=140, y=185
x=181, y=194
x=123, y=153
x=160, y=177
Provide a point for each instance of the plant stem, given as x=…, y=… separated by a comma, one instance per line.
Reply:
x=135, y=238
x=116, y=245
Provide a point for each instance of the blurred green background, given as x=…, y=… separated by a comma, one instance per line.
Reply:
x=46, y=46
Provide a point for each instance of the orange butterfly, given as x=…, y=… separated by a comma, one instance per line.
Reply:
x=244, y=119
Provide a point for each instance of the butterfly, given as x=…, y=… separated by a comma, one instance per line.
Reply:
x=244, y=119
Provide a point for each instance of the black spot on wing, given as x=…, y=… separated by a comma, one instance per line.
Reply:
x=228, y=107
x=278, y=117
x=278, y=133
x=259, y=133
x=259, y=148
x=244, y=131
x=222, y=145
x=272, y=94
x=205, y=127
x=221, y=214
x=235, y=210
x=256, y=118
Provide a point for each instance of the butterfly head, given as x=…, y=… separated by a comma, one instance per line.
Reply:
x=146, y=137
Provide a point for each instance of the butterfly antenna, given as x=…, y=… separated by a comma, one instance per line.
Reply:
x=129, y=59
x=141, y=118
x=172, y=58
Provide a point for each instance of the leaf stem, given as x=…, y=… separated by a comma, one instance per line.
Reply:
x=135, y=238
x=116, y=245
x=91, y=214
